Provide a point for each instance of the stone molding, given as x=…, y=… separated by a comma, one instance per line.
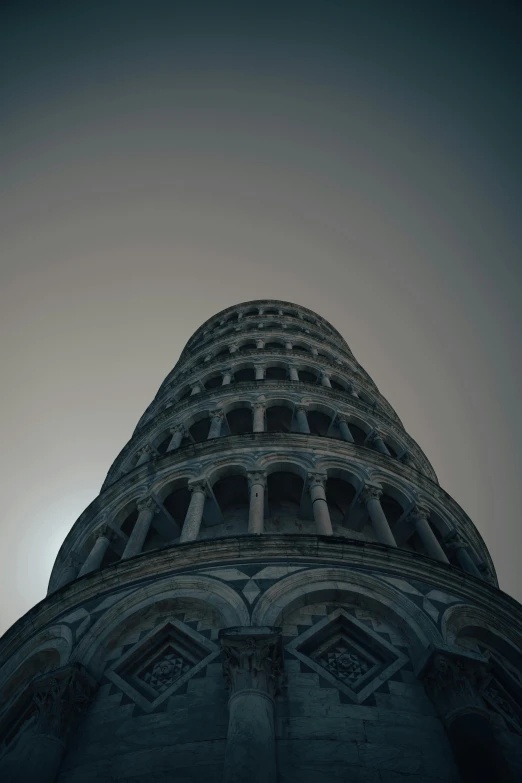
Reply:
x=296, y=548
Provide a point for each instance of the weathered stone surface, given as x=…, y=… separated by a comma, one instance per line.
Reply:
x=282, y=574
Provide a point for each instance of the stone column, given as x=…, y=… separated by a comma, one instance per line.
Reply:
x=302, y=419
x=260, y=372
x=256, y=514
x=344, y=429
x=97, y=553
x=370, y=498
x=227, y=376
x=407, y=459
x=419, y=515
x=70, y=571
x=316, y=487
x=178, y=433
x=57, y=701
x=194, y=514
x=196, y=389
x=294, y=375
x=288, y=345
x=258, y=409
x=144, y=455
x=375, y=440
x=351, y=390
x=215, y=426
x=455, y=543
x=147, y=508
x=453, y=681
x=253, y=671
x=260, y=344
x=325, y=380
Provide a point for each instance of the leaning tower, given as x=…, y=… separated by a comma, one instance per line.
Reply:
x=270, y=586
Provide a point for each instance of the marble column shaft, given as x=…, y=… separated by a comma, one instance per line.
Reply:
x=97, y=553
x=194, y=514
x=147, y=508
x=215, y=426
x=370, y=497
x=344, y=429
x=177, y=438
x=302, y=420
x=319, y=505
x=258, y=423
x=256, y=514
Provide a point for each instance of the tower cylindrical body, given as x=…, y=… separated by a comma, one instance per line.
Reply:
x=270, y=586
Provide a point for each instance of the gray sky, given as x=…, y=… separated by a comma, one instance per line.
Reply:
x=160, y=162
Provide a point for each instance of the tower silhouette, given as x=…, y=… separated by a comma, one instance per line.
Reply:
x=270, y=586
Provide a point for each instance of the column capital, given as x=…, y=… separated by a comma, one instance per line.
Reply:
x=105, y=531
x=453, y=681
x=217, y=415
x=317, y=479
x=454, y=541
x=260, y=325
x=486, y=573
x=369, y=492
x=418, y=511
x=198, y=485
x=342, y=418
x=177, y=428
x=256, y=477
x=227, y=371
x=301, y=407
x=258, y=406
x=253, y=659
x=233, y=348
x=147, y=503
x=325, y=374
x=208, y=357
x=146, y=449
x=60, y=698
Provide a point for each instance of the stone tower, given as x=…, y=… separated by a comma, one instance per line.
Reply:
x=270, y=586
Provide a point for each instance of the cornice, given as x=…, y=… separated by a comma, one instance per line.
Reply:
x=291, y=549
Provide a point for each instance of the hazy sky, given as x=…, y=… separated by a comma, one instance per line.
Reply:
x=161, y=161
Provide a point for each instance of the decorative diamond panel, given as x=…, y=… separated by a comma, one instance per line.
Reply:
x=348, y=653
x=160, y=663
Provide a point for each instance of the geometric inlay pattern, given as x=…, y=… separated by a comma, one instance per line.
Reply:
x=161, y=663
x=348, y=654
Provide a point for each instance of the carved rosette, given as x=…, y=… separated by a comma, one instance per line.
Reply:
x=453, y=683
x=253, y=660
